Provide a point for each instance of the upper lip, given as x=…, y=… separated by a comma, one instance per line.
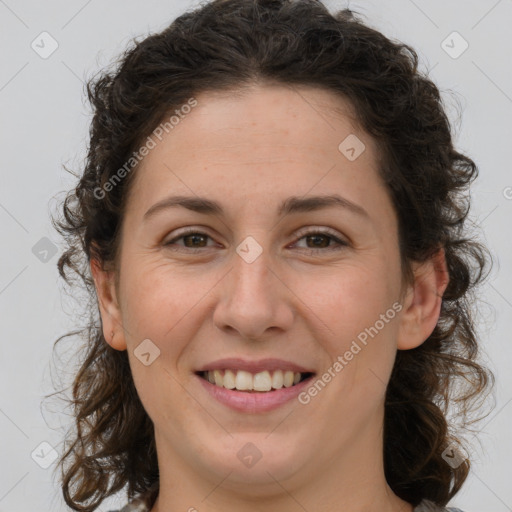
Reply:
x=270, y=364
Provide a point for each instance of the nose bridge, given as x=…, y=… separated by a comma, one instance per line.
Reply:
x=251, y=275
x=253, y=298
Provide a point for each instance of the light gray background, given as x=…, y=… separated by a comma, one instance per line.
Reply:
x=44, y=125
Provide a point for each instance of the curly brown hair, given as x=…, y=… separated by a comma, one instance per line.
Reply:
x=230, y=44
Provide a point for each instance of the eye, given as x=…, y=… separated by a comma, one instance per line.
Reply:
x=193, y=239
x=196, y=240
x=321, y=240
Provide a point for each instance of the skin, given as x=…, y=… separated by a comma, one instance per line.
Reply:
x=249, y=152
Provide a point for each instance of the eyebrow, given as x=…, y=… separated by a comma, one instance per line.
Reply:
x=293, y=204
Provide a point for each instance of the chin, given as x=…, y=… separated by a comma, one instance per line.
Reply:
x=254, y=459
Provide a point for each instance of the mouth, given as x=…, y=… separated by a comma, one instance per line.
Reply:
x=266, y=381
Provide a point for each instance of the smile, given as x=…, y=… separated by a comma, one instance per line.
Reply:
x=263, y=381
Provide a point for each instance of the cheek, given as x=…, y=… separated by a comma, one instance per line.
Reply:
x=156, y=296
x=346, y=300
x=353, y=311
x=156, y=302
x=165, y=304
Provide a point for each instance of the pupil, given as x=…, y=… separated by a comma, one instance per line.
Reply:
x=316, y=237
x=193, y=236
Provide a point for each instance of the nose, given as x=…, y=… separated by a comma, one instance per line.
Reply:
x=255, y=301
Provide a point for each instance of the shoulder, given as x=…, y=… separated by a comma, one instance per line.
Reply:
x=133, y=506
x=142, y=502
x=428, y=506
x=424, y=506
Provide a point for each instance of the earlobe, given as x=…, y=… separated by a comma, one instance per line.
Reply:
x=422, y=304
x=111, y=320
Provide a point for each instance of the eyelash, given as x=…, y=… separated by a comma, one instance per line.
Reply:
x=329, y=234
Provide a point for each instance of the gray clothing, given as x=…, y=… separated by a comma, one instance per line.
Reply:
x=139, y=505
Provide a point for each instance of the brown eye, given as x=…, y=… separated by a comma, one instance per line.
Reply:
x=193, y=240
x=321, y=241
x=318, y=241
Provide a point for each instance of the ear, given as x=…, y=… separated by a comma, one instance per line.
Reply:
x=422, y=304
x=111, y=319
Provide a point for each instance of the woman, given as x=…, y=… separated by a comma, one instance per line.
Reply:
x=271, y=225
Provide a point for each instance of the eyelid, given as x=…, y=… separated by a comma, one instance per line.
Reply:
x=323, y=230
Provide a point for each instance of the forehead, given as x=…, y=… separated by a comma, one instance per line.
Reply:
x=265, y=137
x=310, y=117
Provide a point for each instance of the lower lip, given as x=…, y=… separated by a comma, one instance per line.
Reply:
x=256, y=401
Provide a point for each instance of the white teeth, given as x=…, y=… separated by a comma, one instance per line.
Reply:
x=243, y=380
x=262, y=381
x=218, y=377
x=288, y=379
x=229, y=380
x=277, y=380
x=246, y=381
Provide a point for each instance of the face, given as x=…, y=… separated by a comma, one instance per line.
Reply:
x=310, y=288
